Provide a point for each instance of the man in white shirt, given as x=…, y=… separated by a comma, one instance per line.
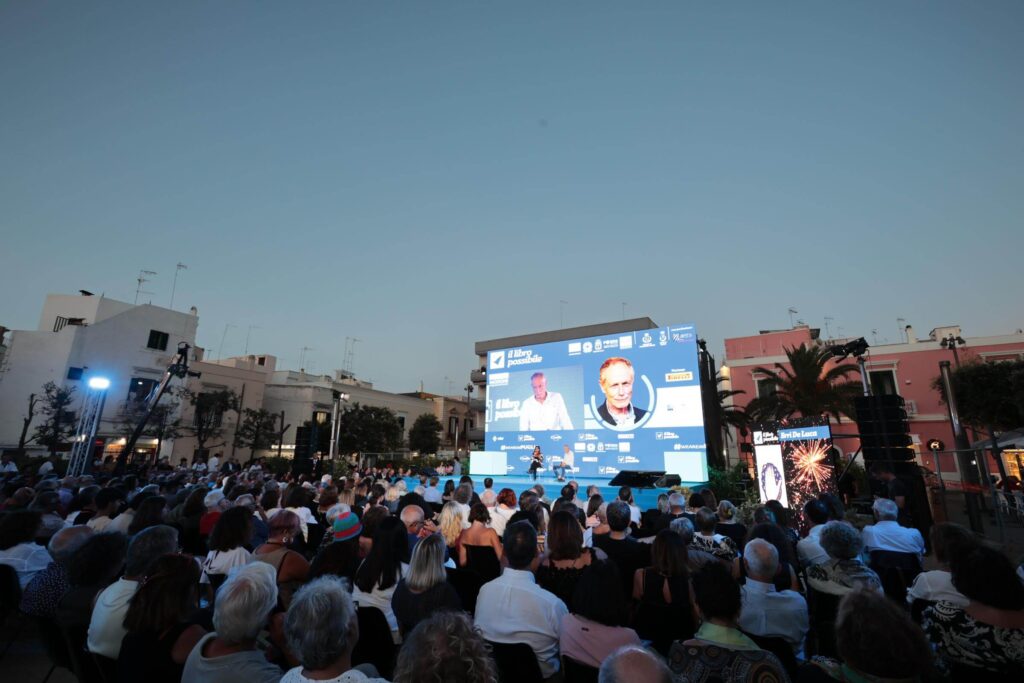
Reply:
x=432, y=494
x=106, y=627
x=214, y=463
x=514, y=609
x=489, y=498
x=809, y=550
x=767, y=612
x=544, y=410
x=887, y=534
x=7, y=465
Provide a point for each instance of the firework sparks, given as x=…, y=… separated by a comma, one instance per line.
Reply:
x=811, y=470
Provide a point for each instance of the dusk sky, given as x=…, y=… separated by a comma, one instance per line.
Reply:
x=426, y=175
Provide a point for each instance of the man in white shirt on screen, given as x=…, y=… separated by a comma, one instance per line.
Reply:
x=544, y=410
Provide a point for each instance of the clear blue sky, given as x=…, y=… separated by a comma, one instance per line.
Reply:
x=425, y=175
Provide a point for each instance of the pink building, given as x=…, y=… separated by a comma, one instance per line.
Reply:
x=906, y=369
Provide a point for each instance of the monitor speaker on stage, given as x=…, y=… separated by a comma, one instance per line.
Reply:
x=638, y=479
x=668, y=481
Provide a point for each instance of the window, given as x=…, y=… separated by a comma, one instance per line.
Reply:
x=765, y=388
x=140, y=388
x=453, y=424
x=883, y=382
x=158, y=340
x=75, y=373
x=401, y=422
x=262, y=360
x=208, y=414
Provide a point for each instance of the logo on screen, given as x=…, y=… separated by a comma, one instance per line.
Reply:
x=588, y=347
x=497, y=360
x=597, y=345
x=625, y=342
x=575, y=347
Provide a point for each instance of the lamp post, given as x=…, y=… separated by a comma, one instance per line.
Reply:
x=455, y=414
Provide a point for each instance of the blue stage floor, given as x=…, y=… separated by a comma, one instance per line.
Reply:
x=645, y=498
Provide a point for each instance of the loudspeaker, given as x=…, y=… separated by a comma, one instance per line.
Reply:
x=668, y=481
x=638, y=479
x=884, y=430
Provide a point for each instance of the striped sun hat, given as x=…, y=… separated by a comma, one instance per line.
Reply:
x=347, y=526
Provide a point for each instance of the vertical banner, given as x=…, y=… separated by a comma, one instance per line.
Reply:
x=793, y=461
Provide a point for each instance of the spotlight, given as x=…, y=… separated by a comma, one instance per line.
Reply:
x=99, y=383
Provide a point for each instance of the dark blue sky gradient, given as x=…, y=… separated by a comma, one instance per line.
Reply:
x=425, y=175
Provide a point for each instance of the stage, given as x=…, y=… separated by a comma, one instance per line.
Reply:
x=645, y=498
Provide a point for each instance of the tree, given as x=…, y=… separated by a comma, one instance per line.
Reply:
x=163, y=424
x=808, y=387
x=208, y=414
x=369, y=429
x=988, y=395
x=256, y=430
x=26, y=422
x=425, y=434
x=59, y=423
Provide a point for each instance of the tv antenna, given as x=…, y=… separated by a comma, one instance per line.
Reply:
x=142, y=279
x=220, y=349
x=177, y=269
x=792, y=312
x=828, y=326
x=247, y=334
x=349, y=360
x=302, y=357
x=901, y=324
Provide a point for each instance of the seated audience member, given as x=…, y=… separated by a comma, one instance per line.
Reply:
x=489, y=498
x=321, y=630
x=988, y=633
x=292, y=568
x=229, y=543
x=719, y=648
x=729, y=526
x=215, y=504
x=47, y=504
x=836, y=509
x=43, y=593
x=124, y=520
x=634, y=664
x=92, y=568
x=150, y=513
x=372, y=517
x=665, y=611
x=106, y=627
x=785, y=578
x=425, y=588
x=651, y=519
x=597, y=517
x=260, y=525
x=876, y=641
x=784, y=520
x=676, y=509
x=462, y=497
x=767, y=612
x=948, y=541
x=107, y=502
x=159, y=636
x=566, y=560
x=449, y=523
x=844, y=570
x=693, y=503
x=230, y=654
x=808, y=550
x=695, y=557
x=478, y=535
x=414, y=519
x=18, y=547
x=626, y=496
x=514, y=609
x=621, y=548
x=708, y=539
x=379, y=574
x=503, y=510
x=887, y=534
x=432, y=494
x=445, y=647
x=595, y=625
x=83, y=506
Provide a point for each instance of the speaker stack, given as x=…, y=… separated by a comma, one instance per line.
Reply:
x=884, y=431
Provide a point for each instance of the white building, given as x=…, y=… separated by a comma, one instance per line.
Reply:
x=86, y=336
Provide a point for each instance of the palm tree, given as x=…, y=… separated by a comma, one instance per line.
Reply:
x=807, y=386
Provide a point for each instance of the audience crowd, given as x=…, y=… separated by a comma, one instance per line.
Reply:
x=230, y=574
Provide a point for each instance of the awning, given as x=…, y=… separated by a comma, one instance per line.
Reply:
x=1011, y=439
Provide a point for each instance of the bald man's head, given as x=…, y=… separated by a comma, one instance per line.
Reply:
x=65, y=542
x=634, y=664
x=412, y=518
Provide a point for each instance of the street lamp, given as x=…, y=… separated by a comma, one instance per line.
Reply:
x=950, y=342
x=88, y=424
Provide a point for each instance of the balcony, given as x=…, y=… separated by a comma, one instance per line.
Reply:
x=478, y=376
x=910, y=407
x=477, y=405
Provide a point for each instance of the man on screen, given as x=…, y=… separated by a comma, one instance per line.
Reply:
x=544, y=410
x=616, y=377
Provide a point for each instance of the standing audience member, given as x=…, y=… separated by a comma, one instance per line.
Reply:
x=595, y=626
x=987, y=635
x=321, y=630
x=44, y=592
x=106, y=628
x=767, y=612
x=514, y=609
x=230, y=654
x=445, y=647
x=18, y=547
x=844, y=570
x=425, y=588
x=876, y=641
x=159, y=636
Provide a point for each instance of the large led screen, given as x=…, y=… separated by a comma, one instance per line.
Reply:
x=793, y=461
x=628, y=401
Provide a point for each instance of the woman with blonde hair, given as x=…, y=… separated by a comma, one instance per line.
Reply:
x=425, y=588
x=391, y=498
x=729, y=525
x=449, y=523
